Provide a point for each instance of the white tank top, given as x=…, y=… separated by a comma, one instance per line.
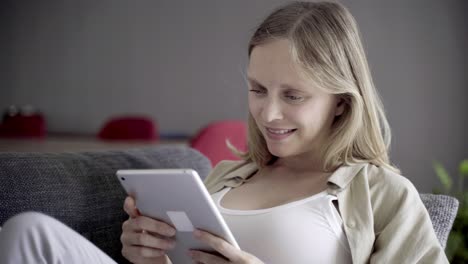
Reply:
x=301, y=232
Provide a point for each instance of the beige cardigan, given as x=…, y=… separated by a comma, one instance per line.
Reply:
x=384, y=219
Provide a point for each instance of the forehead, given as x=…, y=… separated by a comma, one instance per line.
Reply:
x=272, y=64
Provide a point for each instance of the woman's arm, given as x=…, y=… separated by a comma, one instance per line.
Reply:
x=404, y=231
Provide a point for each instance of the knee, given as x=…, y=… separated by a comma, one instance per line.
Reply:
x=26, y=222
x=30, y=237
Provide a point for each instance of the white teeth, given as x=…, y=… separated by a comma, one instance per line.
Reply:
x=279, y=131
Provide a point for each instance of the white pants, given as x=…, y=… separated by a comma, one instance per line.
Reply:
x=37, y=238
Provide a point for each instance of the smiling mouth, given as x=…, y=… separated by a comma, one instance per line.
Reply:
x=280, y=131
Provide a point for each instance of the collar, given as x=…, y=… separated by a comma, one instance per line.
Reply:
x=240, y=173
x=345, y=174
x=338, y=180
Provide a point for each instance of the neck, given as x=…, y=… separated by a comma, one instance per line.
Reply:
x=299, y=165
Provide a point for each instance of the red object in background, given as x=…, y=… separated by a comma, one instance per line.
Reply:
x=24, y=126
x=211, y=140
x=129, y=128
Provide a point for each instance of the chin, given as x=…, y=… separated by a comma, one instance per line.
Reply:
x=279, y=151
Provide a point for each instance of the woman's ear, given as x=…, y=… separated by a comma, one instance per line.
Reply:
x=340, y=107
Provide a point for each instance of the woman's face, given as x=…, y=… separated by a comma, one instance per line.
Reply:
x=294, y=116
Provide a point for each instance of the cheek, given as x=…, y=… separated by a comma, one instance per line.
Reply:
x=254, y=107
x=302, y=114
x=309, y=117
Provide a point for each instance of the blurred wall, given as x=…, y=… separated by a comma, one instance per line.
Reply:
x=182, y=62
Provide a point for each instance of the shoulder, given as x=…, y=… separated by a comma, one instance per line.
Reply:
x=364, y=178
x=392, y=194
x=384, y=181
x=224, y=167
x=225, y=171
x=385, y=192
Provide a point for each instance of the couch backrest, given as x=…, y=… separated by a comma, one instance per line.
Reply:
x=81, y=189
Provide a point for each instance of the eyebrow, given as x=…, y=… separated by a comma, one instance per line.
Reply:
x=283, y=85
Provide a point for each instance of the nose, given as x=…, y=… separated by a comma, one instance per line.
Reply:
x=271, y=110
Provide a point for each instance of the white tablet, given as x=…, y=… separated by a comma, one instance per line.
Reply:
x=179, y=198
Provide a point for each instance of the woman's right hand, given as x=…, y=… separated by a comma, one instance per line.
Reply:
x=145, y=240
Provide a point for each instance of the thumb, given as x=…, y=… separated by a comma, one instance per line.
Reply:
x=130, y=207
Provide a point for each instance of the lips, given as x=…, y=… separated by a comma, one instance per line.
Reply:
x=279, y=133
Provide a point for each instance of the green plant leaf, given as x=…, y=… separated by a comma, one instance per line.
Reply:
x=454, y=241
x=464, y=167
x=443, y=176
x=463, y=214
x=437, y=191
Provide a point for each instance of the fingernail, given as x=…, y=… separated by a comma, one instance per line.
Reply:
x=171, y=231
x=197, y=233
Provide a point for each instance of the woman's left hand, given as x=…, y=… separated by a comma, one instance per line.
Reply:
x=231, y=254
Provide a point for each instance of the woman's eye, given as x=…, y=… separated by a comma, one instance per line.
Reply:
x=294, y=98
x=256, y=91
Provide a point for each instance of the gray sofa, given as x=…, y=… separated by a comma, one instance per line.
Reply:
x=81, y=190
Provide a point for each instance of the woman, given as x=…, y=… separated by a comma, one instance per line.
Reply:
x=316, y=184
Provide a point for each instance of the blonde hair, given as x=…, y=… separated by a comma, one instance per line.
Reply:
x=325, y=42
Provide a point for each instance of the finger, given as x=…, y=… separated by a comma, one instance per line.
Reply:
x=218, y=244
x=143, y=255
x=130, y=207
x=148, y=260
x=206, y=258
x=141, y=223
x=139, y=252
x=146, y=240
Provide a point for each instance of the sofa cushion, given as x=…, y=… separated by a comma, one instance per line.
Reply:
x=81, y=189
x=442, y=210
